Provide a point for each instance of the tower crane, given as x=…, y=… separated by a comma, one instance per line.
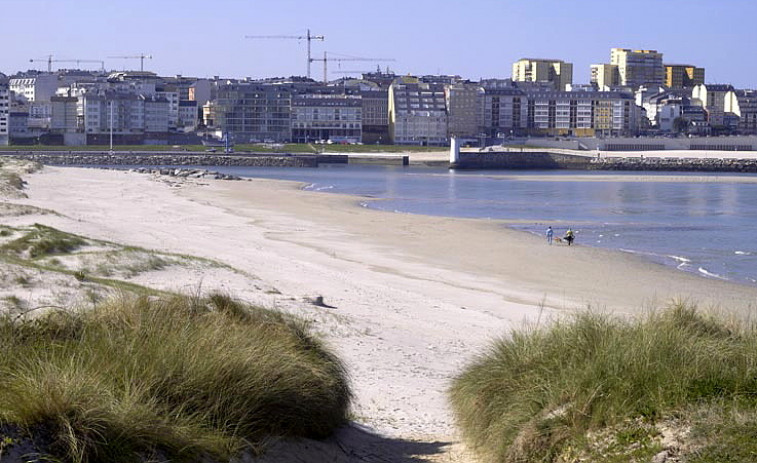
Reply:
x=50, y=62
x=141, y=57
x=326, y=59
x=307, y=37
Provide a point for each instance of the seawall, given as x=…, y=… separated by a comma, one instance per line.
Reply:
x=546, y=160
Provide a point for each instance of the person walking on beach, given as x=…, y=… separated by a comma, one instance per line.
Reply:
x=550, y=234
x=569, y=236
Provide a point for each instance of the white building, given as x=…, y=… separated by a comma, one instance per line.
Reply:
x=34, y=88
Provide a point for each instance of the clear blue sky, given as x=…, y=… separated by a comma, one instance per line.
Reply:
x=472, y=38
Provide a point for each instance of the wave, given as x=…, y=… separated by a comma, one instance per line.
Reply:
x=742, y=253
x=707, y=273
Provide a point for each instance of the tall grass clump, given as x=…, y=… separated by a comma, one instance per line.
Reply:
x=177, y=379
x=539, y=391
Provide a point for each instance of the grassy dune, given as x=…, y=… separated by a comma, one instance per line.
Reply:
x=593, y=388
x=175, y=378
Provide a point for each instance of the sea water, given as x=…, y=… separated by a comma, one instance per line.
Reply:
x=700, y=223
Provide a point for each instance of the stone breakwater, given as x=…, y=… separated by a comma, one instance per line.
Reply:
x=547, y=160
x=675, y=164
x=81, y=158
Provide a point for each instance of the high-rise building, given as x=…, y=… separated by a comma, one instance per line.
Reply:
x=638, y=67
x=558, y=72
x=604, y=76
x=683, y=75
x=5, y=98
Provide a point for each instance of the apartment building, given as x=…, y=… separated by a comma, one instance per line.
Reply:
x=743, y=103
x=505, y=109
x=712, y=97
x=64, y=118
x=188, y=115
x=683, y=76
x=31, y=88
x=464, y=109
x=251, y=111
x=638, y=67
x=558, y=72
x=523, y=110
x=417, y=113
x=604, y=76
x=5, y=104
x=375, y=114
x=326, y=116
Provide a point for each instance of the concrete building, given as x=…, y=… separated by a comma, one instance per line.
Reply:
x=683, y=75
x=5, y=104
x=188, y=116
x=638, y=67
x=64, y=115
x=516, y=110
x=324, y=116
x=417, y=113
x=505, y=110
x=250, y=111
x=465, y=107
x=604, y=76
x=31, y=88
x=743, y=103
x=712, y=98
x=558, y=72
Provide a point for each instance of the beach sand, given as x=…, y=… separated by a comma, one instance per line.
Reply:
x=412, y=298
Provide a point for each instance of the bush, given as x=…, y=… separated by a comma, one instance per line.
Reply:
x=176, y=378
x=539, y=391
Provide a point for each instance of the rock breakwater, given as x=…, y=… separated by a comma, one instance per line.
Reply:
x=83, y=158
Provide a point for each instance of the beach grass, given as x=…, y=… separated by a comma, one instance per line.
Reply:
x=607, y=389
x=173, y=378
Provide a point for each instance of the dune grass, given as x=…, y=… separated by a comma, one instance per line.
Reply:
x=176, y=379
x=537, y=394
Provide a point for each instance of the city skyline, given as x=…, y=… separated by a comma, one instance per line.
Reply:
x=474, y=39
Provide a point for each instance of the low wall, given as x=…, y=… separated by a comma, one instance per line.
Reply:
x=519, y=160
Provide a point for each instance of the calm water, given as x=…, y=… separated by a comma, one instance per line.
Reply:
x=705, y=228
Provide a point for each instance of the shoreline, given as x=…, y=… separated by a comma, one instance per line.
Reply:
x=414, y=298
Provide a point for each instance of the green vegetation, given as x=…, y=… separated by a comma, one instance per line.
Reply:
x=43, y=241
x=599, y=389
x=140, y=379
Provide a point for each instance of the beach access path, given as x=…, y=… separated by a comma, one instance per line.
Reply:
x=412, y=299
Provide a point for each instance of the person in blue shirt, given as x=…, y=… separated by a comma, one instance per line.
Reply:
x=550, y=234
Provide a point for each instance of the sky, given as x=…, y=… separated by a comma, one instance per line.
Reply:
x=471, y=38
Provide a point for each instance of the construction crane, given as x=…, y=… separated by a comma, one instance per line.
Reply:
x=140, y=57
x=307, y=37
x=50, y=62
x=326, y=59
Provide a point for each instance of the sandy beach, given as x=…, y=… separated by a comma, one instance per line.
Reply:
x=411, y=299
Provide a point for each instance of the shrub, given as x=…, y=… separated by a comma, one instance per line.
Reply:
x=539, y=391
x=174, y=378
